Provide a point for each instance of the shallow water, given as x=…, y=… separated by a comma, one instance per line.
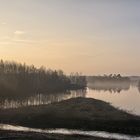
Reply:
x=70, y=132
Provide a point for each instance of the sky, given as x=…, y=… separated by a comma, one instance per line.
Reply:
x=89, y=36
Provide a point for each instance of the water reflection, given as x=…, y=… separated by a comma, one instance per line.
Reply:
x=128, y=99
x=40, y=99
x=114, y=87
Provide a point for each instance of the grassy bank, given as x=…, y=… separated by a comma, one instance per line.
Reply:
x=79, y=113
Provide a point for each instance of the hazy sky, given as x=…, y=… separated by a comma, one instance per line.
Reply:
x=89, y=36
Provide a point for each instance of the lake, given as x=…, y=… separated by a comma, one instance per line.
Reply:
x=127, y=98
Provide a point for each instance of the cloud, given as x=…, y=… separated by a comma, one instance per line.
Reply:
x=19, y=32
x=19, y=36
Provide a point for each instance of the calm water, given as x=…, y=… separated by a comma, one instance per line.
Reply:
x=124, y=97
x=127, y=98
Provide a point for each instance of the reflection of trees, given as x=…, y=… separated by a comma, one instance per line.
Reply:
x=111, y=90
x=115, y=87
x=39, y=99
x=111, y=83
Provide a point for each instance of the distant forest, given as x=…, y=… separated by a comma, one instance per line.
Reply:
x=21, y=78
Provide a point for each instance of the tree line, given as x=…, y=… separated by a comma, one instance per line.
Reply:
x=18, y=78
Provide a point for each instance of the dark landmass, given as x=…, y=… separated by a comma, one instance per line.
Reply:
x=12, y=135
x=78, y=113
